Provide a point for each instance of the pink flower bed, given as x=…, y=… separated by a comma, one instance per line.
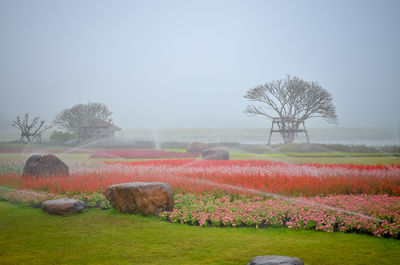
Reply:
x=208, y=210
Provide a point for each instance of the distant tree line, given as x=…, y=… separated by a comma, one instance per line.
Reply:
x=70, y=119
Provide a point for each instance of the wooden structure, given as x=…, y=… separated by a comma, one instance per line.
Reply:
x=282, y=124
x=96, y=130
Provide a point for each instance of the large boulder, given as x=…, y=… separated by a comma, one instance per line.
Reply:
x=62, y=206
x=147, y=198
x=197, y=147
x=44, y=165
x=275, y=260
x=216, y=154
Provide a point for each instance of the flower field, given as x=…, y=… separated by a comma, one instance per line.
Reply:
x=255, y=193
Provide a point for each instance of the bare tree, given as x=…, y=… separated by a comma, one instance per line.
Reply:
x=82, y=114
x=31, y=130
x=291, y=101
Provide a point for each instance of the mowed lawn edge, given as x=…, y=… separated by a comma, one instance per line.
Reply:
x=30, y=236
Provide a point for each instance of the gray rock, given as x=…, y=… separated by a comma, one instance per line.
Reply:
x=197, y=147
x=216, y=154
x=147, y=198
x=62, y=206
x=44, y=166
x=275, y=260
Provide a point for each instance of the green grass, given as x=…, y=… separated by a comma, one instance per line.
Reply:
x=287, y=153
x=326, y=158
x=71, y=156
x=323, y=158
x=30, y=236
x=180, y=150
x=32, y=145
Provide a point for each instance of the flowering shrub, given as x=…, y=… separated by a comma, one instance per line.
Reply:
x=209, y=210
x=93, y=200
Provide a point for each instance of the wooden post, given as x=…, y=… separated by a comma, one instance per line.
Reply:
x=305, y=131
x=279, y=122
x=270, y=133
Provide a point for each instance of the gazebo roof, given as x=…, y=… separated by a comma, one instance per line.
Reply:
x=98, y=123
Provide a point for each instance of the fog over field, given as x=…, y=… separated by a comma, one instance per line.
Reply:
x=187, y=64
x=199, y=132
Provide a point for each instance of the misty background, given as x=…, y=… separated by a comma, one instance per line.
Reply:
x=187, y=64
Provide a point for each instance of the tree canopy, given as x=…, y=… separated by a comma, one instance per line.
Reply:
x=82, y=115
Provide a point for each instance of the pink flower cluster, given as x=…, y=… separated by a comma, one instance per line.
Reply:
x=208, y=210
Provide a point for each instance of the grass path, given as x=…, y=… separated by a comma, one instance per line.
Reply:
x=30, y=236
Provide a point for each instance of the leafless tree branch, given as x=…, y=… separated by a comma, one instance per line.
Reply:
x=30, y=130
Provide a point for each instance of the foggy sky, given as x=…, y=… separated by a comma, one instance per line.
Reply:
x=187, y=64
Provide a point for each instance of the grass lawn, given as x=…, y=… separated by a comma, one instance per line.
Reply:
x=324, y=158
x=30, y=236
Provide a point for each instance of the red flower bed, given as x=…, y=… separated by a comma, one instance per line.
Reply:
x=188, y=175
x=278, y=177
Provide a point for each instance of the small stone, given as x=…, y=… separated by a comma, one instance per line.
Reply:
x=275, y=260
x=62, y=206
x=147, y=198
x=216, y=154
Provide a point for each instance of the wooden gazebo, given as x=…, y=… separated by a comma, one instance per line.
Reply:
x=97, y=129
x=282, y=128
